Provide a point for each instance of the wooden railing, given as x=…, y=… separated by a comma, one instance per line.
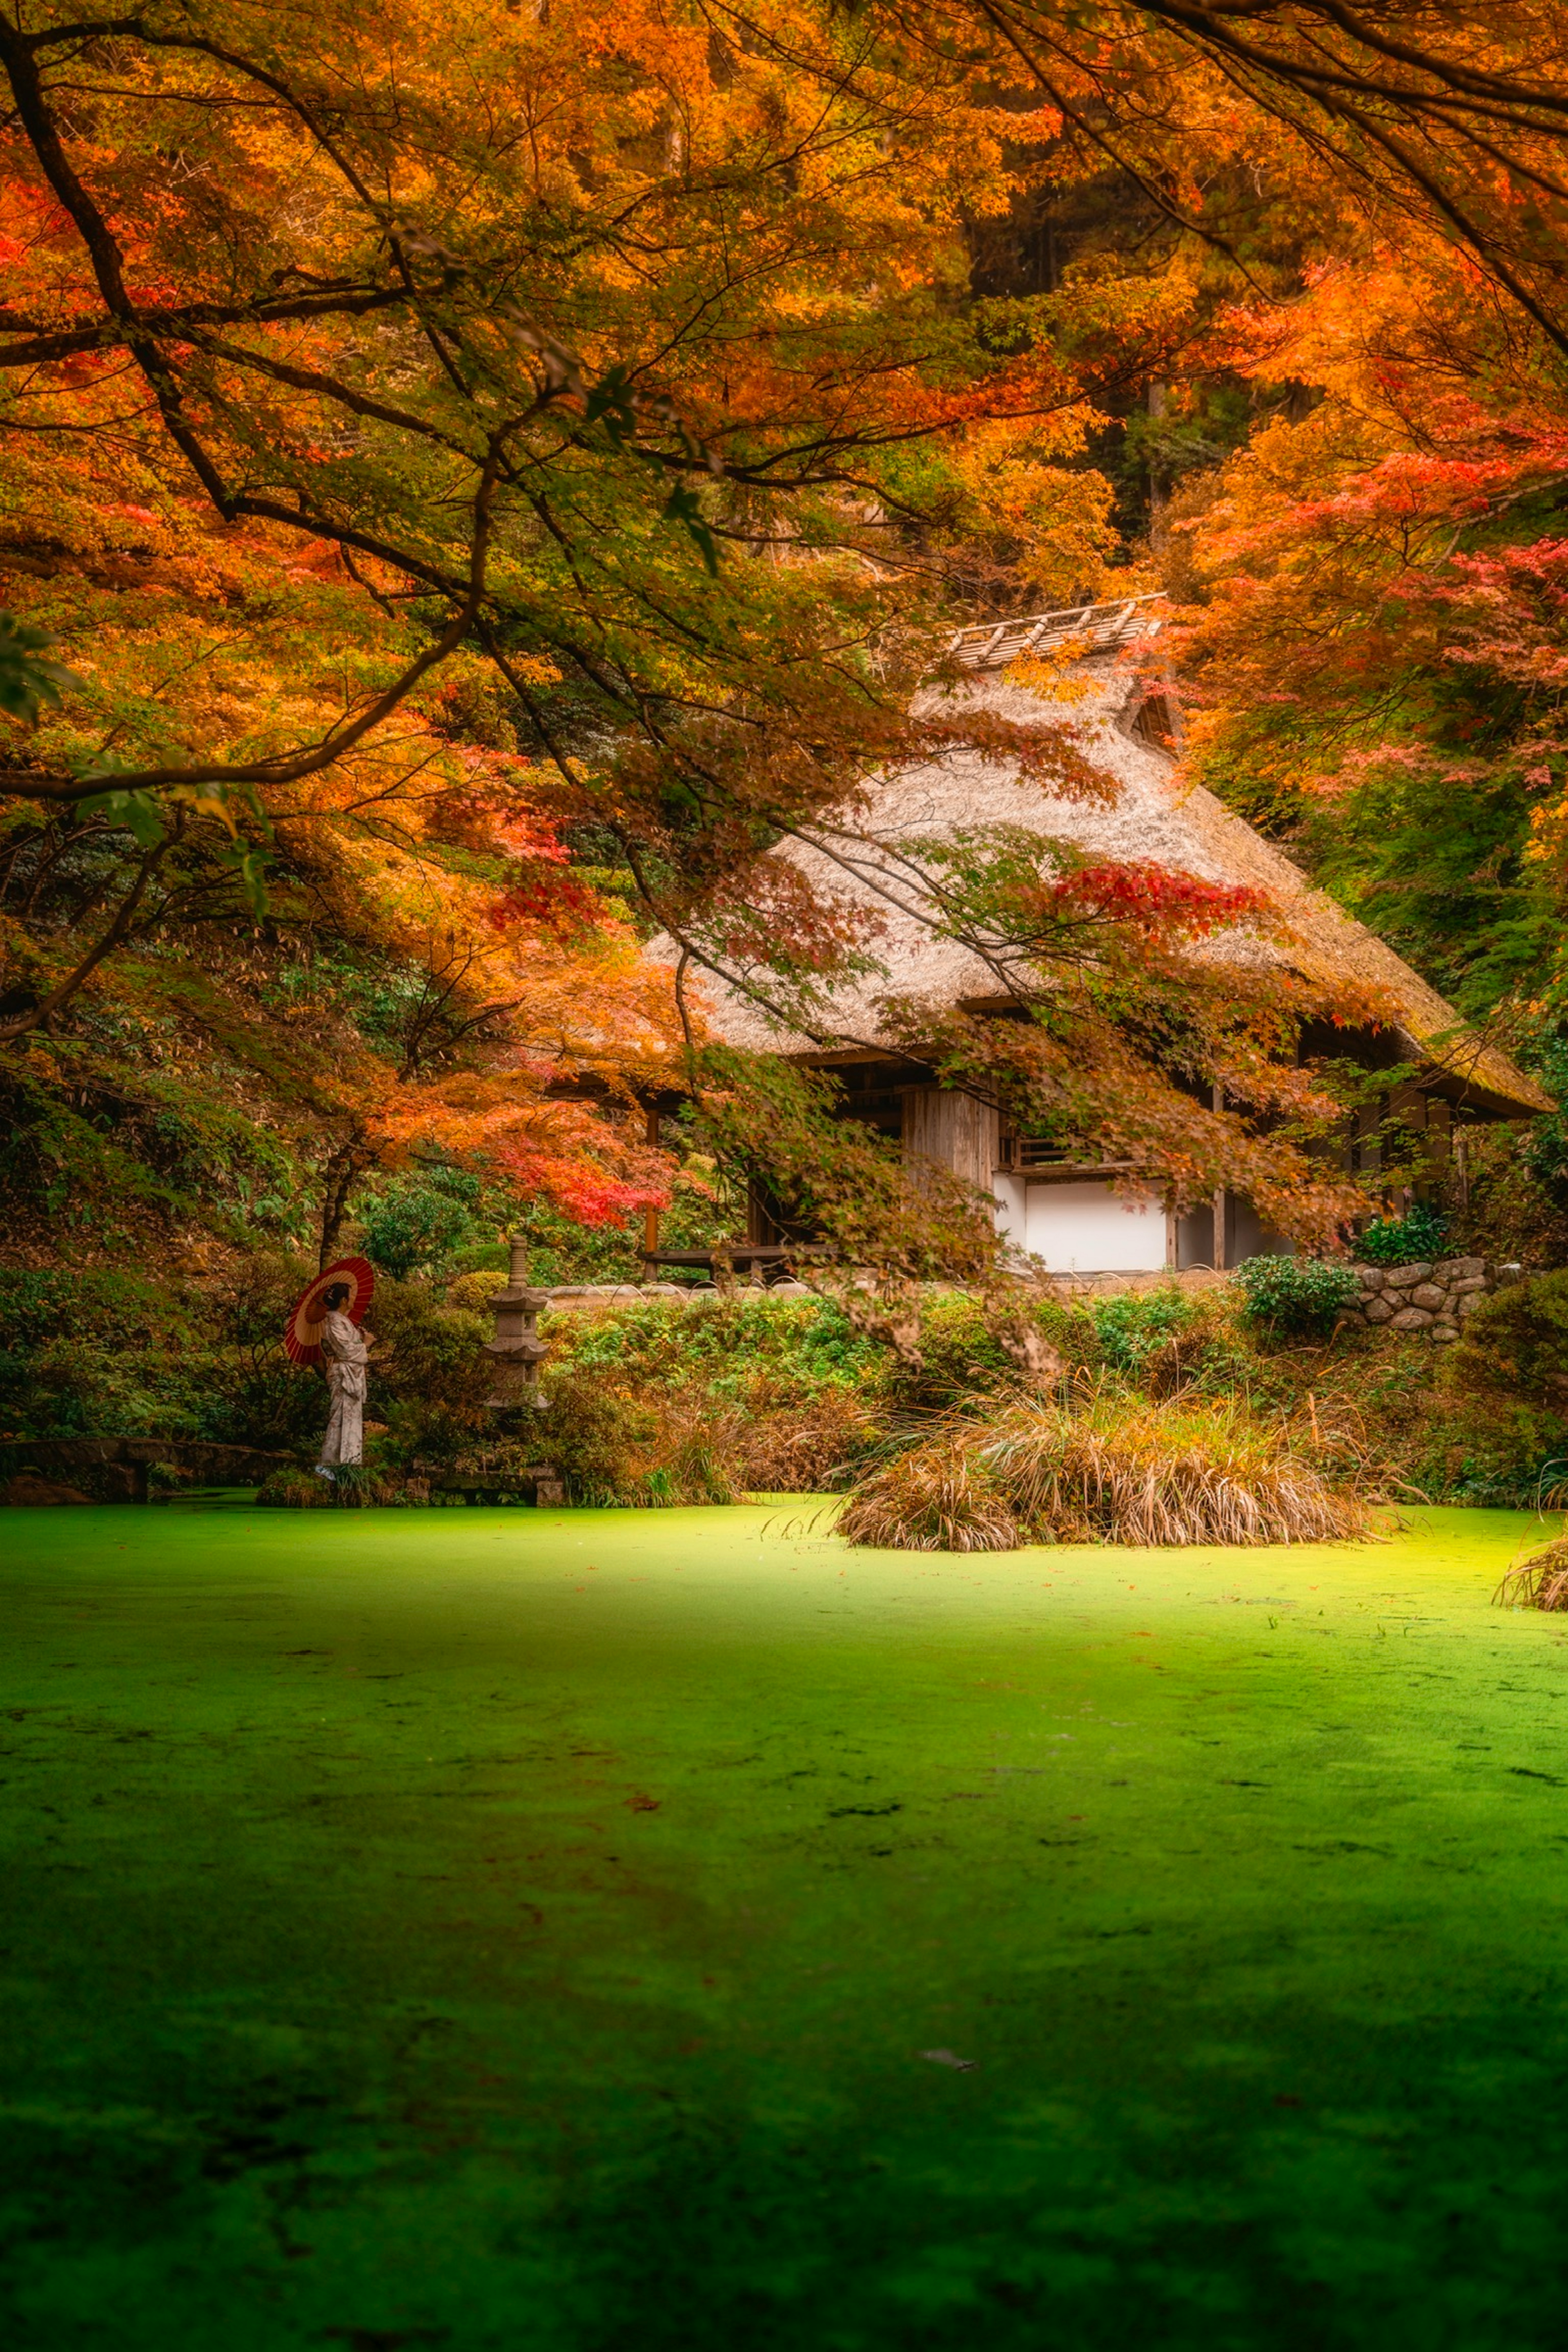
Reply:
x=1027, y=1154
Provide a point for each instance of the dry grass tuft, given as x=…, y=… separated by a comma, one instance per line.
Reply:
x=1114, y=1470
x=934, y=1499
x=1539, y=1583
x=803, y=1448
x=1134, y=1472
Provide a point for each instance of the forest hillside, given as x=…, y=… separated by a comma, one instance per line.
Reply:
x=475, y=487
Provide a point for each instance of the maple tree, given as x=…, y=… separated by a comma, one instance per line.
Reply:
x=1188, y=111
x=1434, y=114
x=406, y=413
x=363, y=522
x=1377, y=640
x=460, y=469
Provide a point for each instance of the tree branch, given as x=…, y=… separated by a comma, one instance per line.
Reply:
x=18, y=1024
x=289, y=770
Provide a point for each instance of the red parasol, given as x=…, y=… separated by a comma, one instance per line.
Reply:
x=303, y=1332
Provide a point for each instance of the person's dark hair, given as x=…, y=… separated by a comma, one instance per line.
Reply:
x=337, y=1297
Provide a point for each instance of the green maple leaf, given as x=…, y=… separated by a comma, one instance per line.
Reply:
x=27, y=682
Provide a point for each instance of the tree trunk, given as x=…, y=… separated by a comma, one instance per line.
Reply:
x=344, y=1167
x=1157, y=402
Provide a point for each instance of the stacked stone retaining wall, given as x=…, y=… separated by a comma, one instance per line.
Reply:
x=599, y=1297
x=1433, y=1298
x=595, y=1297
x=126, y=1469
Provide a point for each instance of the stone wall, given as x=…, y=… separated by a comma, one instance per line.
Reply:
x=125, y=1469
x=595, y=1297
x=1435, y=1299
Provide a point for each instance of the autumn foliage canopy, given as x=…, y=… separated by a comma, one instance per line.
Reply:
x=475, y=481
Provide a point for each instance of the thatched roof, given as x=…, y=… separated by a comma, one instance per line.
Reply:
x=1153, y=815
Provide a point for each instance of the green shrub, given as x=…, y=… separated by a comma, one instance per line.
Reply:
x=660, y=1402
x=254, y=1395
x=1404, y=1240
x=492, y=1258
x=474, y=1291
x=429, y=1376
x=102, y=1354
x=1297, y=1297
x=641, y=1444
x=724, y=1343
x=1489, y=1452
x=419, y=1220
x=959, y=1346
x=961, y=1352
x=1517, y=1341
x=1141, y=1324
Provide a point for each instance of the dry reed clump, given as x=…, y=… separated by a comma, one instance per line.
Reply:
x=1112, y=1471
x=1164, y=1474
x=933, y=1498
x=641, y=1449
x=671, y=1466
x=1539, y=1583
x=805, y=1448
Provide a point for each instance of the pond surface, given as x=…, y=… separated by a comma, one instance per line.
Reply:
x=565, y=1931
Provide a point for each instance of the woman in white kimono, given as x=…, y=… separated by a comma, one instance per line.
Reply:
x=347, y=1352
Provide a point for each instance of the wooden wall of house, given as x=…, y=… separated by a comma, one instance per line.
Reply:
x=953, y=1131
x=1235, y=1225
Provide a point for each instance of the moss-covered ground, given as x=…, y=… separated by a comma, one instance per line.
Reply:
x=566, y=1931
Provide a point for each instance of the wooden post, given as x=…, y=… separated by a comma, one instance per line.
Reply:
x=944, y=1127
x=1439, y=1140
x=1408, y=1104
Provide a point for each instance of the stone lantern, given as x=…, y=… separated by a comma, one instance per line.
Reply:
x=517, y=1349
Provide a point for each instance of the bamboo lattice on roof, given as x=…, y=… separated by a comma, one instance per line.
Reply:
x=1090, y=628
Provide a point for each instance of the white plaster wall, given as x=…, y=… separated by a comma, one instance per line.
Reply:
x=1083, y=1228
x=1010, y=1195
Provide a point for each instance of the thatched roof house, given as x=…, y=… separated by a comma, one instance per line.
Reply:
x=1069, y=1214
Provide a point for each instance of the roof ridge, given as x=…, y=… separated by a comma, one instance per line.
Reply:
x=991, y=645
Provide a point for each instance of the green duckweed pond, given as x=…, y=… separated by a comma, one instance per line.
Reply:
x=564, y=1931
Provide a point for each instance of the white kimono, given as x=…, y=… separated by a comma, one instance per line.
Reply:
x=348, y=1360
